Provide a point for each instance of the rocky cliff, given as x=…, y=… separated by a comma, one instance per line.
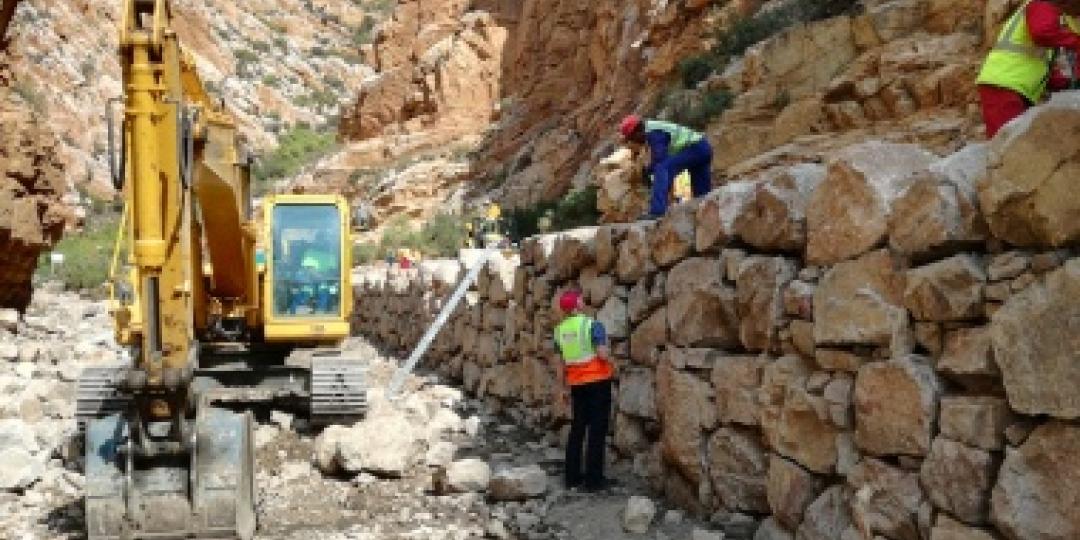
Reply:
x=544, y=82
x=274, y=63
x=879, y=345
x=31, y=184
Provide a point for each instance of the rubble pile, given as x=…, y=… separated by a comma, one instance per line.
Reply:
x=849, y=349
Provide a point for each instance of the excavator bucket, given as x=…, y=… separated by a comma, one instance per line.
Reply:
x=207, y=494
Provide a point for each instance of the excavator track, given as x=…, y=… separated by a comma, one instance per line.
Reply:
x=98, y=394
x=338, y=394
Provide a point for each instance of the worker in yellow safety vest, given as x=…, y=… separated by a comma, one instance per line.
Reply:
x=1020, y=67
x=584, y=364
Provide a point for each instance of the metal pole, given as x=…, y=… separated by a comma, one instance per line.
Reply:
x=399, y=377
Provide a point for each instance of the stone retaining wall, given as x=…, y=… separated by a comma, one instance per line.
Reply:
x=838, y=350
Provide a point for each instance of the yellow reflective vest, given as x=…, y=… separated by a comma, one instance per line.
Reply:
x=681, y=136
x=1016, y=62
x=574, y=338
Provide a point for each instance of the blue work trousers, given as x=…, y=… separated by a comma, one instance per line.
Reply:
x=696, y=158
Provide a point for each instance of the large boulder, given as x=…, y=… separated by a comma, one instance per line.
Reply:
x=738, y=466
x=790, y=489
x=615, y=317
x=700, y=308
x=635, y=254
x=684, y=404
x=637, y=393
x=19, y=469
x=774, y=218
x=859, y=302
x=796, y=423
x=957, y=479
x=638, y=515
x=939, y=211
x=771, y=529
x=622, y=194
x=849, y=211
x=947, y=528
x=574, y=251
x=607, y=242
x=467, y=475
x=673, y=238
x=517, y=483
x=967, y=352
x=1036, y=343
x=978, y=421
x=886, y=500
x=1028, y=196
x=736, y=380
x=1038, y=488
x=827, y=517
x=717, y=213
x=896, y=405
x=759, y=288
x=648, y=337
x=947, y=290
x=386, y=443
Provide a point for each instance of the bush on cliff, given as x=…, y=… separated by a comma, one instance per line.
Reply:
x=298, y=147
x=576, y=209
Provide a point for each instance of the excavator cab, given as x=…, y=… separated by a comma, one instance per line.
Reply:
x=307, y=258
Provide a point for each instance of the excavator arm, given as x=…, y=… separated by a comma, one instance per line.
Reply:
x=161, y=462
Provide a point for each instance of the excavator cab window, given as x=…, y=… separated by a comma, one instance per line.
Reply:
x=307, y=260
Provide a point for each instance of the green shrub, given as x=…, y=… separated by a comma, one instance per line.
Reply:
x=271, y=80
x=364, y=33
x=695, y=69
x=244, y=55
x=696, y=109
x=576, y=209
x=442, y=235
x=87, y=254
x=367, y=253
x=296, y=148
x=30, y=94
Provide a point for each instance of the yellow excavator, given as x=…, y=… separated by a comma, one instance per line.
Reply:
x=217, y=304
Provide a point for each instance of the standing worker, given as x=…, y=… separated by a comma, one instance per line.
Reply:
x=1020, y=67
x=672, y=150
x=584, y=365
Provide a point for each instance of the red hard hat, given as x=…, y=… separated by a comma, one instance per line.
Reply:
x=629, y=125
x=569, y=300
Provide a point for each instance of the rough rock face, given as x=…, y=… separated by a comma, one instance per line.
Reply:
x=957, y=479
x=622, y=195
x=775, y=217
x=858, y=302
x=685, y=408
x=31, y=184
x=896, y=406
x=1028, y=193
x=938, y=211
x=1037, y=491
x=1038, y=362
x=858, y=399
x=738, y=465
x=790, y=489
x=886, y=500
x=849, y=212
x=946, y=290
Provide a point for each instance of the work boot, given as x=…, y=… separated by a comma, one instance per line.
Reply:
x=597, y=486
